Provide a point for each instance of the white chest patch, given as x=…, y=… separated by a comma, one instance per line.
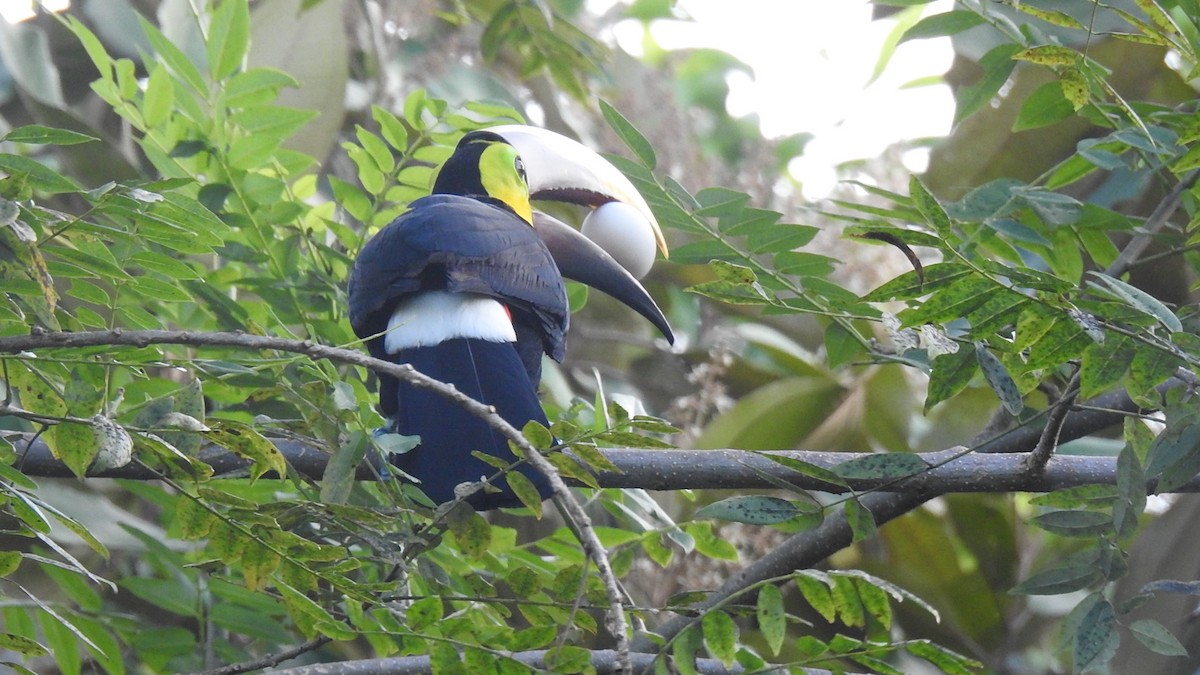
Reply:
x=432, y=317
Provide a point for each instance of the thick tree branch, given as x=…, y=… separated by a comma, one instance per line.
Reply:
x=994, y=466
x=954, y=470
x=603, y=660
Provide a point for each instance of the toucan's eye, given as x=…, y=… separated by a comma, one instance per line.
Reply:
x=520, y=167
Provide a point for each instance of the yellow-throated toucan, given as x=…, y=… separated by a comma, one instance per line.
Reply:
x=467, y=286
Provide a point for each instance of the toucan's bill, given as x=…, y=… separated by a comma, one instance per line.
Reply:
x=563, y=169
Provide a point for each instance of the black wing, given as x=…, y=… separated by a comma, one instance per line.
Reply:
x=462, y=245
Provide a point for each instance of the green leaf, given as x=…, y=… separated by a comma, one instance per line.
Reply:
x=258, y=563
x=807, y=469
x=943, y=659
x=862, y=522
x=840, y=345
x=999, y=380
x=875, y=601
x=340, y=473
x=391, y=128
x=1104, y=364
x=1136, y=298
x=568, y=659
x=61, y=637
x=173, y=57
x=908, y=285
x=303, y=610
x=1074, y=523
x=36, y=134
x=22, y=645
x=159, y=97
x=9, y=562
x=1049, y=55
x=845, y=598
x=1074, y=87
x=525, y=491
x=37, y=175
x=950, y=375
x=815, y=587
x=952, y=302
x=753, y=510
x=1131, y=486
x=1058, y=580
x=228, y=38
x=1052, y=207
x=997, y=66
x=720, y=635
x=709, y=544
x=1157, y=638
x=687, y=644
x=1149, y=368
x=1092, y=638
x=424, y=613
x=244, y=441
x=471, y=532
x=1175, y=452
x=940, y=25
x=735, y=284
x=1078, y=497
x=595, y=460
x=629, y=135
x=256, y=87
x=538, y=435
x=1050, y=16
x=771, y=616
x=882, y=466
x=929, y=207
x=75, y=444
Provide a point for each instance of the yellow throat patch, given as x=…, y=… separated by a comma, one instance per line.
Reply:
x=503, y=177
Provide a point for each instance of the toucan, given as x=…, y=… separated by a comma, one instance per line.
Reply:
x=467, y=286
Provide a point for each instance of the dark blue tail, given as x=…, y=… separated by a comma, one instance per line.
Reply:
x=489, y=372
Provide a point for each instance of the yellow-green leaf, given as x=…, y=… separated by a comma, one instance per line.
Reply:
x=524, y=489
x=720, y=635
x=471, y=532
x=258, y=562
x=1049, y=55
x=244, y=441
x=1075, y=87
x=9, y=562
x=772, y=617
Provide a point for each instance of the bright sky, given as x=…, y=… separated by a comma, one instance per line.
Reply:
x=20, y=10
x=813, y=61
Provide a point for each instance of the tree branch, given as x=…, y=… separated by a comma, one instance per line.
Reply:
x=603, y=660
x=994, y=466
x=953, y=471
x=1158, y=218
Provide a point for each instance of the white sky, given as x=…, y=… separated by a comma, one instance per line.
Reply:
x=813, y=61
x=20, y=10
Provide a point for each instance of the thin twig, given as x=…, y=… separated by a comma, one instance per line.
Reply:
x=1158, y=218
x=1048, y=442
x=270, y=659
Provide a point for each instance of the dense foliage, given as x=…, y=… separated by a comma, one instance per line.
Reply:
x=189, y=184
